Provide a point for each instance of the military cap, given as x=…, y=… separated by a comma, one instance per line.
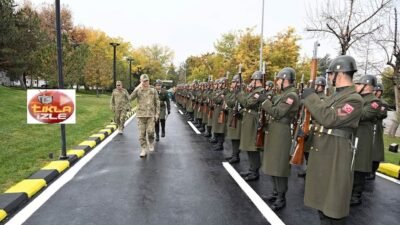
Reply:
x=144, y=77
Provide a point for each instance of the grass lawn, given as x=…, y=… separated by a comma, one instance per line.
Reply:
x=390, y=156
x=24, y=148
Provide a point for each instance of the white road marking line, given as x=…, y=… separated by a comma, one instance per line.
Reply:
x=180, y=112
x=254, y=197
x=34, y=205
x=194, y=128
x=388, y=178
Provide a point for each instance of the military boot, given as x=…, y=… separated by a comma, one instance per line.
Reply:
x=234, y=159
x=213, y=140
x=157, y=137
x=162, y=128
x=252, y=176
x=208, y=132
x=143, y=153
x=219, y=146
x=279, y=203
x=202, y=129
x=355, y=199
x=271, y=197
x=370, y=177
x=244, y=173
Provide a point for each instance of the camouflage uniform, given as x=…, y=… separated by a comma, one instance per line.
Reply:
x=147, y=112
x=120, y=105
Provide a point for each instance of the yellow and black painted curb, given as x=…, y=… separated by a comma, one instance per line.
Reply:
x=18, y=195
x=390, y=169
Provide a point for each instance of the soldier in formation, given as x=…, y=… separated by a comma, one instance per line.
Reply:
x=365, y=133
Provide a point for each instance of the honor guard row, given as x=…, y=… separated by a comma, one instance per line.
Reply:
x=343, y=140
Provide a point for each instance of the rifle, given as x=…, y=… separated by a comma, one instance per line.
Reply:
x=260, y=131
x=221, y=116
x=210, y=103
x=299, y=137
x=235, y=115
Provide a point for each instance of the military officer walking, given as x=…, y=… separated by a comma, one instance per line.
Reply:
x=251, y=103
x=148, y=111
x=365, y=133
x=282, y=111
x=165, y=109
x=120, y=105
x=329, y=173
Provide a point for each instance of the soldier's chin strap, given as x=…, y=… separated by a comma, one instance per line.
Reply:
x=362, y=89
x=283, y=80
x=334, y=79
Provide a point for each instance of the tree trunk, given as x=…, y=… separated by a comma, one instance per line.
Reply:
x=22, y=80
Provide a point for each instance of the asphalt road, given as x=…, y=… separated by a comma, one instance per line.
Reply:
x=184, y=182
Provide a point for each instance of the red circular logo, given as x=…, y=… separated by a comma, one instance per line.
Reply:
x=51, y=107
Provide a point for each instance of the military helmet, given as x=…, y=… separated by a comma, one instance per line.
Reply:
x=236, y=78
x=287, y=73
x=222, y=80
x=257, y=75
x=158, y=82
x=144, y=77
x=378, y=87
x=196, y=82
x=320, y=81
x=367, y=79
x=343, y=63
x=269, y=84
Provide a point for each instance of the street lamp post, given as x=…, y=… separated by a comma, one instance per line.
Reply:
x=261, y=38
x=60, y=74
x=130, y=60
x=114, y=44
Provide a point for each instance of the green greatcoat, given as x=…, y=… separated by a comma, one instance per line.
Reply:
x=204, y=107
x=198, y=112
x=308, y=141
x=251, y=106
x=378, y=152
x=278, y=136
x=365, y=133
x=189, y=101
x=164, y=103
x=329, y=176
x=210, y=107
x=218, y=100
x=232, y=133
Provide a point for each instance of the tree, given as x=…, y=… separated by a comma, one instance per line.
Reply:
x=283, y=51
x=348, y=21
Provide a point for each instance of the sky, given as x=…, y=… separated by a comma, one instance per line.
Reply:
x=192, y=27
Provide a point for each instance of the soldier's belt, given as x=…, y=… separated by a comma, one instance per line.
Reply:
x=283, y=120
x=334, y=132
x=365, y=123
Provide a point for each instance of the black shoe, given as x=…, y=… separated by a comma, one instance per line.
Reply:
x=228, y=158
x=198, y=126
x=234, y=160
x=355, y=201
x=218, y=147
x=252, y=177
x=279, y=204
x=370, y=177
x=207, y=135
x=201, y=129
x=244, y=173
x=163, y=134
x=213, y=140
x=157, y=138
x=271, y=197
x=301, y=174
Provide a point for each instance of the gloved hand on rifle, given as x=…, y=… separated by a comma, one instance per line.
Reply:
x=307, y=92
